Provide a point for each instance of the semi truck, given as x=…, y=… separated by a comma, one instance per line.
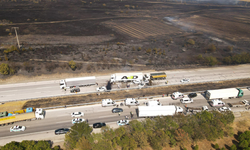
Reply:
x=224, y=93
x=239, y=104
x=77, y=82
x=156, y=76
x=29, y=114
x=154, y=111
x=128, y=77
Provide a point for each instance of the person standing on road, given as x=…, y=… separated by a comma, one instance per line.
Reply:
x=119, y=114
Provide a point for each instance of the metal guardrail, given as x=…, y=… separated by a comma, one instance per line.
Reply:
x=120, y=90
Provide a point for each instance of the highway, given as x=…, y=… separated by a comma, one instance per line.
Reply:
x=21, y=91
x=58, y=118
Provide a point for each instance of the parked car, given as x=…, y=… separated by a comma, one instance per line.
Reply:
x=77, y=114
x=61, y=131
x=224, y=109
x=77, y=120
x=122, y=122
x=74, y=90
x=101, y=89
x=185, y=80
x=192, y=95
x=17, y=128
x=117, y=110
x=99, y=125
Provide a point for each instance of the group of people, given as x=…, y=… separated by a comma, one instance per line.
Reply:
x=126, y=117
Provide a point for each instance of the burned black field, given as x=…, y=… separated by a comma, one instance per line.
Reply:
x=114, y=35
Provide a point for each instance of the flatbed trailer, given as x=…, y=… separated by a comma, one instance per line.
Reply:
x=239, y=104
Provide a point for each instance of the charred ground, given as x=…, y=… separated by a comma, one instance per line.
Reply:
x=114, y=34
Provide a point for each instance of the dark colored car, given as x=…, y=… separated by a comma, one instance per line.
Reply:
x=117, y=110
x=192, y=95
x=99, y=125
x=75, y=90
x=61, y=131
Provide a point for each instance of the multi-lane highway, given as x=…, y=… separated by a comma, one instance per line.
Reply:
x=59, y=118
x=10, y=92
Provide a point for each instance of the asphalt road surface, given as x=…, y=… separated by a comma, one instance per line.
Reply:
x=59, y=118
x=21, y=91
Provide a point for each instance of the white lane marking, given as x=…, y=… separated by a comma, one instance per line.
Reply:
x=63, y=115
x=49, y=131
x=9, y=91
x=63, y=121
x=43, y=88
x=107, y=116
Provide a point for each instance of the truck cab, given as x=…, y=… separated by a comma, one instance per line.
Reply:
x=179, y=109
x=62, y=84
x=177, y=95
x=108, y=102
x=131, y=102
x=40, y=113
x=241, y=93
x=153, y=103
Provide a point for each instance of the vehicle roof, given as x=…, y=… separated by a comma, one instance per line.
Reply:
x=80, y=78
x=117, y=108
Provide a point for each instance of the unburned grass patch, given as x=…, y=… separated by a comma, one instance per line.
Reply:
x=87, y=98
x=12, y=106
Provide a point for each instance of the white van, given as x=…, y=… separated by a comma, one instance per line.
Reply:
x=177, y=95
x=153, y=103
x=108, y=102
x=217, y=102
x=186, y=100
x=131, y=102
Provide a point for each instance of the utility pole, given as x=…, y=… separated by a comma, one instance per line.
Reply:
x=16, y=28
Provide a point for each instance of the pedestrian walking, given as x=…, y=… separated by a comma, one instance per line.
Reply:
x=126, y=117
x=117, y=106
x=96, y=83
x=132, y=115
x=119, y=114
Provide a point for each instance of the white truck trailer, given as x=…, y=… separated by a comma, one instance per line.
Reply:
x=154, y=111
x=77, y=82
x=224, y=93
x=127, y=77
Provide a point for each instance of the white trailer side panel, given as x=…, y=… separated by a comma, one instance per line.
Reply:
x=222, y=93
x=120, y=76
x=80, y=81
x=153, y=111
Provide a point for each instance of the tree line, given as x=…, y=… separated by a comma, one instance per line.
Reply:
x=156, y=133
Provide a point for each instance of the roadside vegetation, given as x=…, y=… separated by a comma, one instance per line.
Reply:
x=158, y=133
x=29, y=145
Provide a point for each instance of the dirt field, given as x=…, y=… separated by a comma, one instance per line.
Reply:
x=115, y=35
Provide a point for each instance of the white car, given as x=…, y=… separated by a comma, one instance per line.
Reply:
x=224, y=109
x=185, y=80
x=77, y=114
x=122, y=122
x=186, y=100
x=17, y=128
x=101, y=89
x=77, y=120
